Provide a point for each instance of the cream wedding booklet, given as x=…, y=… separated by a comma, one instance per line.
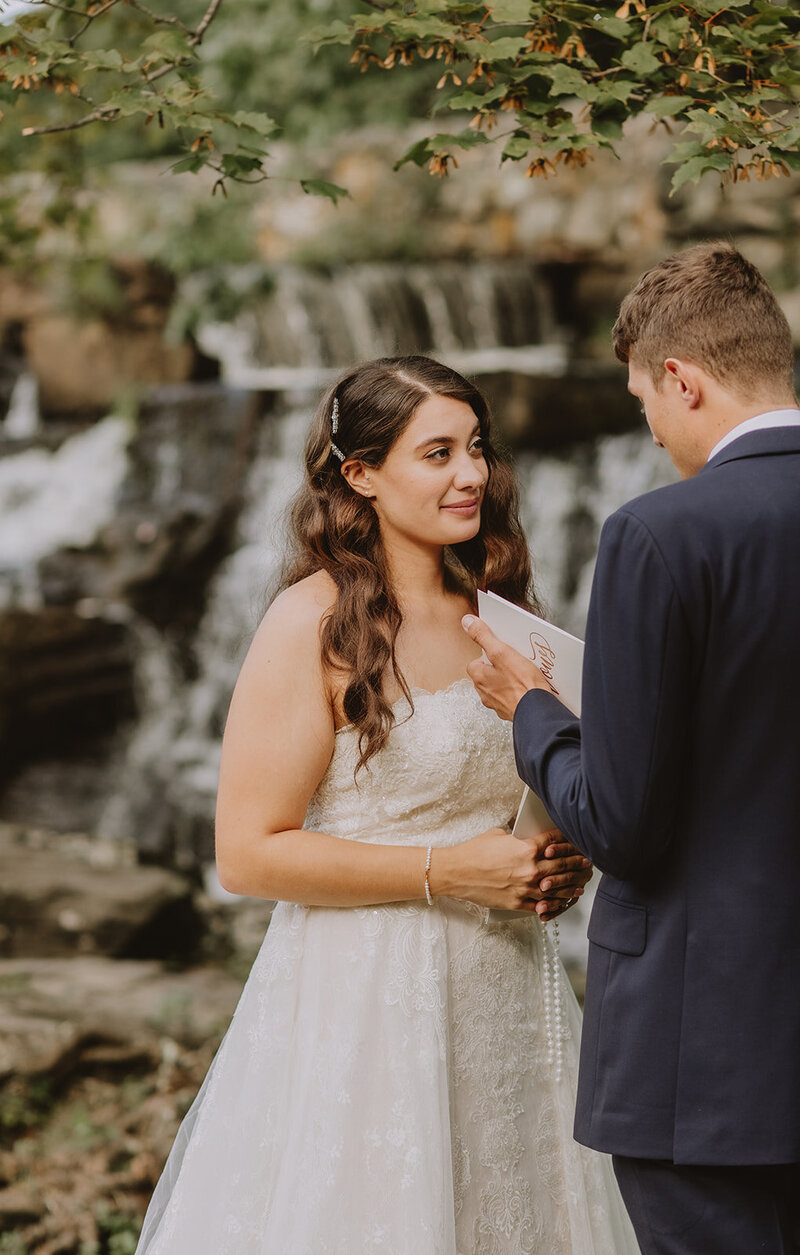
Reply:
x=560, y=658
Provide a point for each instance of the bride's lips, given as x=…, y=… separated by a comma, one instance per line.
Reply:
x=466, y=508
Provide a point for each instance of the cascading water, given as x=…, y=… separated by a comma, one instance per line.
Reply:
x=173, y=756
x=22, y=417
x=56, y=498
x=477, y=315
x=565, y=499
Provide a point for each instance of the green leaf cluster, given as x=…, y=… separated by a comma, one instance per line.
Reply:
x=551, y=82
x=205, y=87
x=66, y=70
x=84, y=85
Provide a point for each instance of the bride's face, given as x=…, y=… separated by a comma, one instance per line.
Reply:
x=431, y=484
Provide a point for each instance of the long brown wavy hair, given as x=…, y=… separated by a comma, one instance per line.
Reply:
x=334, y=529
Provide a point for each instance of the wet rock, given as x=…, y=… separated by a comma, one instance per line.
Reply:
x=108, y=536
x=547, y=414
x=246, y=925
x=20, y=1204
x=83, y=363
x=64, y=794
x=63, y=677
x=175, y=506
x=52, y=903
x=63, y=1015
x=12, y=366
x=33, y=1045
x=81, y=367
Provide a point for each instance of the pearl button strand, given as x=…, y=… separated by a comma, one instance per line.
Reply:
x=554, y=1011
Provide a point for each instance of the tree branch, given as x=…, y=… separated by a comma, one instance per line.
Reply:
x=62, y=8
x=103, y=114
x=157, y=74
x=90, y=17
x=207, y=19
x=158, y=19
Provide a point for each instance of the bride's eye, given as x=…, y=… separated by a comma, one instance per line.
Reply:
x=437, y=455
x=477, y=446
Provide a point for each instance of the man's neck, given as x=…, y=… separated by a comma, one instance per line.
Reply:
x=726, y=419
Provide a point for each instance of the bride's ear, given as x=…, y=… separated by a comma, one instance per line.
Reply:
x=358, y=477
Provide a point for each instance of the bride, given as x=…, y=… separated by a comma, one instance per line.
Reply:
x=398, y=1077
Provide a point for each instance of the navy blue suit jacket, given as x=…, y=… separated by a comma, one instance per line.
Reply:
x=682, y=783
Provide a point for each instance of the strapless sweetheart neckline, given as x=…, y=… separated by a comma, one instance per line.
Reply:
x=416, y=690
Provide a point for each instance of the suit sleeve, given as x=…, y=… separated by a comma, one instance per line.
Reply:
x=612, y=780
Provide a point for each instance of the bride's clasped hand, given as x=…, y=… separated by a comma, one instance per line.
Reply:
x=494, y=869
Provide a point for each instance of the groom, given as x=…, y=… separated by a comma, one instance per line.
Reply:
x=682, y=779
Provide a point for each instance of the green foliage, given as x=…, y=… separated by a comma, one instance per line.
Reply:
x=259, y=56
x=57, y=77
x=218, y=293
x=564, y=77
x=320, y=187
x=12, y=1244
x=435, y=150
x=205, y=80
x=24, y=1105
x=118, y=1233
x=205, y=87
x=132, y=81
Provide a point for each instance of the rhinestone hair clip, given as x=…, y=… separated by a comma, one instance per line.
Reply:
x=334, y=429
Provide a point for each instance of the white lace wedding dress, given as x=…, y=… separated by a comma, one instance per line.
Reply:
x=385, y=1086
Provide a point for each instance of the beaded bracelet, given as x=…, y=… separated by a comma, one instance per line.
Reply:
x=427, y=874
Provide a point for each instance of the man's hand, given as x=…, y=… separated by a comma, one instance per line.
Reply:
x=569, y=875
x=564, y=872
x=543, y=874
x=507, y=675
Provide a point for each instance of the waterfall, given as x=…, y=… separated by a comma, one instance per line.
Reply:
x=22, y=416
x=157, y=784
x=49, y=499
x=565, y=499
x=476, y=315
x=174, y=753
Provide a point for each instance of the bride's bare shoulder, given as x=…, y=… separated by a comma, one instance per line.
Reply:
x=308, y=599
x=293, y=620
x=282, y=680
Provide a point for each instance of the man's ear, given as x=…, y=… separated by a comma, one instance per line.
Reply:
x=359, y=477
x=687, y=379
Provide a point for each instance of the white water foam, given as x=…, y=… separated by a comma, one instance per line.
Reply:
x=48, y=500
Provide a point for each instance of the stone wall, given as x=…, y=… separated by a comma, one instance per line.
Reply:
x=83, y=361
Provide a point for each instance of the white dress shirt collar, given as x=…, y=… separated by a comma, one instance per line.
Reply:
x=759, y=422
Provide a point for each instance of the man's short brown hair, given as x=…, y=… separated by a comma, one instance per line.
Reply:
x=710, y=306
